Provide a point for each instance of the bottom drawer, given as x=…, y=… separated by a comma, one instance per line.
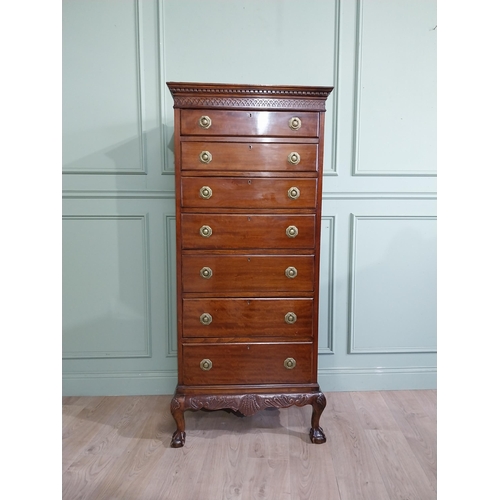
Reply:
x=226, y=364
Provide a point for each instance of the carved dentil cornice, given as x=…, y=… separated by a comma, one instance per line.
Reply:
x=192, y=95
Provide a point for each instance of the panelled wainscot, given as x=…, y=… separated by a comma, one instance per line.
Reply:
x=248, y=164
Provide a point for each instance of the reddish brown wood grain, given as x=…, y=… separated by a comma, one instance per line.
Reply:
x=231, y=192
x=247, y=231
x=243, y=273
x=251, y=123
x=247, y=317
x=250, y=363
x=249, y=156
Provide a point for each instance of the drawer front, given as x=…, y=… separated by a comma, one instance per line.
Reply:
x=233, y=192
x=249, y=157
x=247, y=363
x=249, y=123
x=247, y=273
x=217, y=231
x=247, y=317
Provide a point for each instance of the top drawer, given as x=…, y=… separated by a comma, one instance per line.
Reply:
x=249, y=123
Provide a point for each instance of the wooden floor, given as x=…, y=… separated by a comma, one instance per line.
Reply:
x=380, y=446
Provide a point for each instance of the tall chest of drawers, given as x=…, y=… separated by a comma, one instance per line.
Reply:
x=248, y=166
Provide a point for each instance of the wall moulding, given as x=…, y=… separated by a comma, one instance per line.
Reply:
x=102, y=194
x=328, y=232
x=170, y=290
x=357, y=170
x=354, y=347
x=332, y=170
x=140, y=97
x=379, y=196
x=146, y=333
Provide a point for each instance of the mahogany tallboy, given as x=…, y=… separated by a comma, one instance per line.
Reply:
x=248, y=166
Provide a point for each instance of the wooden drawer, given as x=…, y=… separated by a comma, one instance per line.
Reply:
x=249, y=156
x=247, y=317
x=247, y=363
x=243, y=192
x=218, y=231
x=247, y=273
x=249, y=123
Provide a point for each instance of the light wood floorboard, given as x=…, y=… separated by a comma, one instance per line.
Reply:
x=380, y=446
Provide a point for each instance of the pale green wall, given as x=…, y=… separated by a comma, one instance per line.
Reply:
x=378, y=264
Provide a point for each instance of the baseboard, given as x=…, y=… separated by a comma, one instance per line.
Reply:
x=119, y=384
x=330, y=380
x=377, y=379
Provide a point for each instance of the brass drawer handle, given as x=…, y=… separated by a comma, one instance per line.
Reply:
x=206, y=272
x=294, y=158
x=293, y=193
x=291, y=272
x=205, y=365
x=206, y=319
x=295, y=123
x=290, y=363
x=205, y=157
x=292, y=231
x=290, y=318
x=206, y=231
x=205, y=192
x=205, y=122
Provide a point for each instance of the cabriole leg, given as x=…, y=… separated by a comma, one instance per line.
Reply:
x=316, y=434
x=177, y=407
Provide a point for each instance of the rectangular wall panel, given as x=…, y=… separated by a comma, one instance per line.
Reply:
x=326, y=340
x=170, y=283
x=105, y=287
x=393, y=284
x=102, y=95
x=395, y=103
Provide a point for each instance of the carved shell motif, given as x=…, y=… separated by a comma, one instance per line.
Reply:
x=250, y=404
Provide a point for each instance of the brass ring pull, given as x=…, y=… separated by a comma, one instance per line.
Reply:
x=290, y=318
x=205, y=122
x=291, y=272
x=290, y=363
x=295, y=123
x=292, y=231
x=293, y=193
x=206, y=231
x=205, y=157
x=206, y=319
x=294, y=158
x=206, y=272
x=205, y=192
x=205, y=365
